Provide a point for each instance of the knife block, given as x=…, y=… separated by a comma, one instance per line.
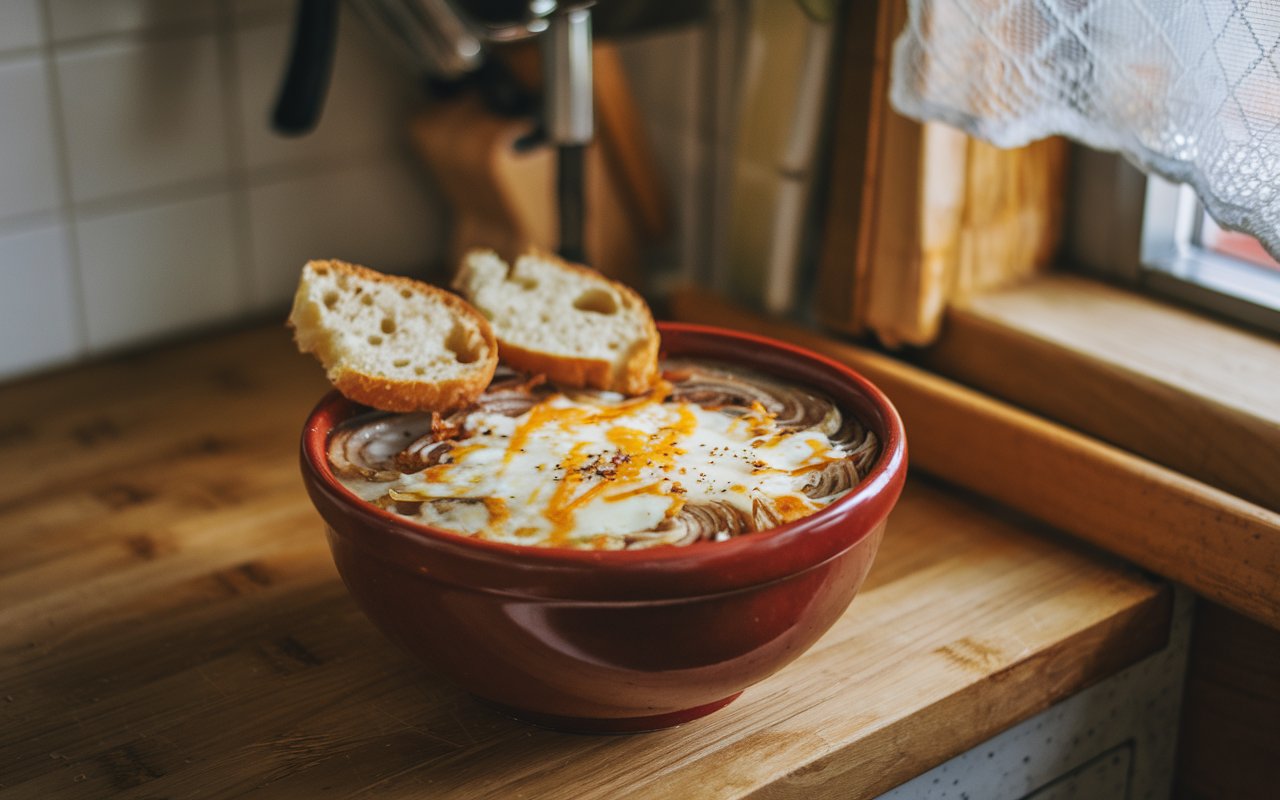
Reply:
x=503, y=197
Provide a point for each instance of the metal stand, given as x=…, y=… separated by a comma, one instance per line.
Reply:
x=569, y=118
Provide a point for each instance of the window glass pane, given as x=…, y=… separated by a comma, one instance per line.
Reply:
x=1186, y=255
x=1234, y=244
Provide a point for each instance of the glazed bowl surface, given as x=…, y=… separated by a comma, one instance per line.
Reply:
x=617, y=640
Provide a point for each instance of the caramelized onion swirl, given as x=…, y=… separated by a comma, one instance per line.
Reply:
x=836, y=477
x=412, y=504
x=425, y=451
x=696, y=522
x=369, y=448
x=735, y=392
x=858, y=442
x=511, y=393
x=763, y=514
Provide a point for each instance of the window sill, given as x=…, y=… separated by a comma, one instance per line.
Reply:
x=1192, y=394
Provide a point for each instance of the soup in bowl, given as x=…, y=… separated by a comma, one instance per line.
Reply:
x=644, y=596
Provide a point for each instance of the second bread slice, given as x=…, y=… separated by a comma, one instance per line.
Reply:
x=565, y=321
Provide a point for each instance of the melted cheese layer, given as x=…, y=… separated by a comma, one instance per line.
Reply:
x=606, y=473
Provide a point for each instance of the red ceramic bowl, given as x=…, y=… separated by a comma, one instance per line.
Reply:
x=620, y=640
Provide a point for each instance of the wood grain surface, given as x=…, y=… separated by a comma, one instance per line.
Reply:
x=171, y=625
x=1191, y=393
x=919, y=215
x=1221, y=546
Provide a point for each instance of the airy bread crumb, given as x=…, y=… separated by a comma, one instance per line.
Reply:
x=390, y=342
x=564, y=320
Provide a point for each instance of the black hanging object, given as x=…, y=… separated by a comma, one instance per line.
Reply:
x=570, y=193
x=315, y=37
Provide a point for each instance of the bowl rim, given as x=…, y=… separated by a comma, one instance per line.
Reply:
x=886, y=474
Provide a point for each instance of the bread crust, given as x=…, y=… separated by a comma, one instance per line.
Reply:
x=641, y=367
x=389, y=394
x=379, y=391
x=638, y=369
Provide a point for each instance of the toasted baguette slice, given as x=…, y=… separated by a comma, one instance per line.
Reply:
x=563, y=320
x=390, y=342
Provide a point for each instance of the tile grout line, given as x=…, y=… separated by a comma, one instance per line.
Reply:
x=194, y=188
x=140, y=35
x=65, y=204
x=18, y=54
x=151, y=197
x=25, y=221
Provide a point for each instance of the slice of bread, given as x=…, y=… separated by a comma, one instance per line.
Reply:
x=565, y=321
x=392, y=343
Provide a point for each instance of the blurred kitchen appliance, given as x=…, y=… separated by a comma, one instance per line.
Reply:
x=446, y=40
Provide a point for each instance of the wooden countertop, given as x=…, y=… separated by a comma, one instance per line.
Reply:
x=171, y=624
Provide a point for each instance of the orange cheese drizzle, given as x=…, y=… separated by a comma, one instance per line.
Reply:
x=758, y=421
x=820, y=452
x=649, y=488
x=456, y=454
x=437, y=473
x=498, y=512
x=637, y=448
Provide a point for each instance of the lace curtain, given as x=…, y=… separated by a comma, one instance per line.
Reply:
x=1187, y=89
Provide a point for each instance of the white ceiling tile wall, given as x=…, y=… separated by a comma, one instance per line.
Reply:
x=142, y=115
x=142, y=192
x=38, y=314
x=380, y=214
x=28, y=159
x=20, y=24
x=158, y=269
